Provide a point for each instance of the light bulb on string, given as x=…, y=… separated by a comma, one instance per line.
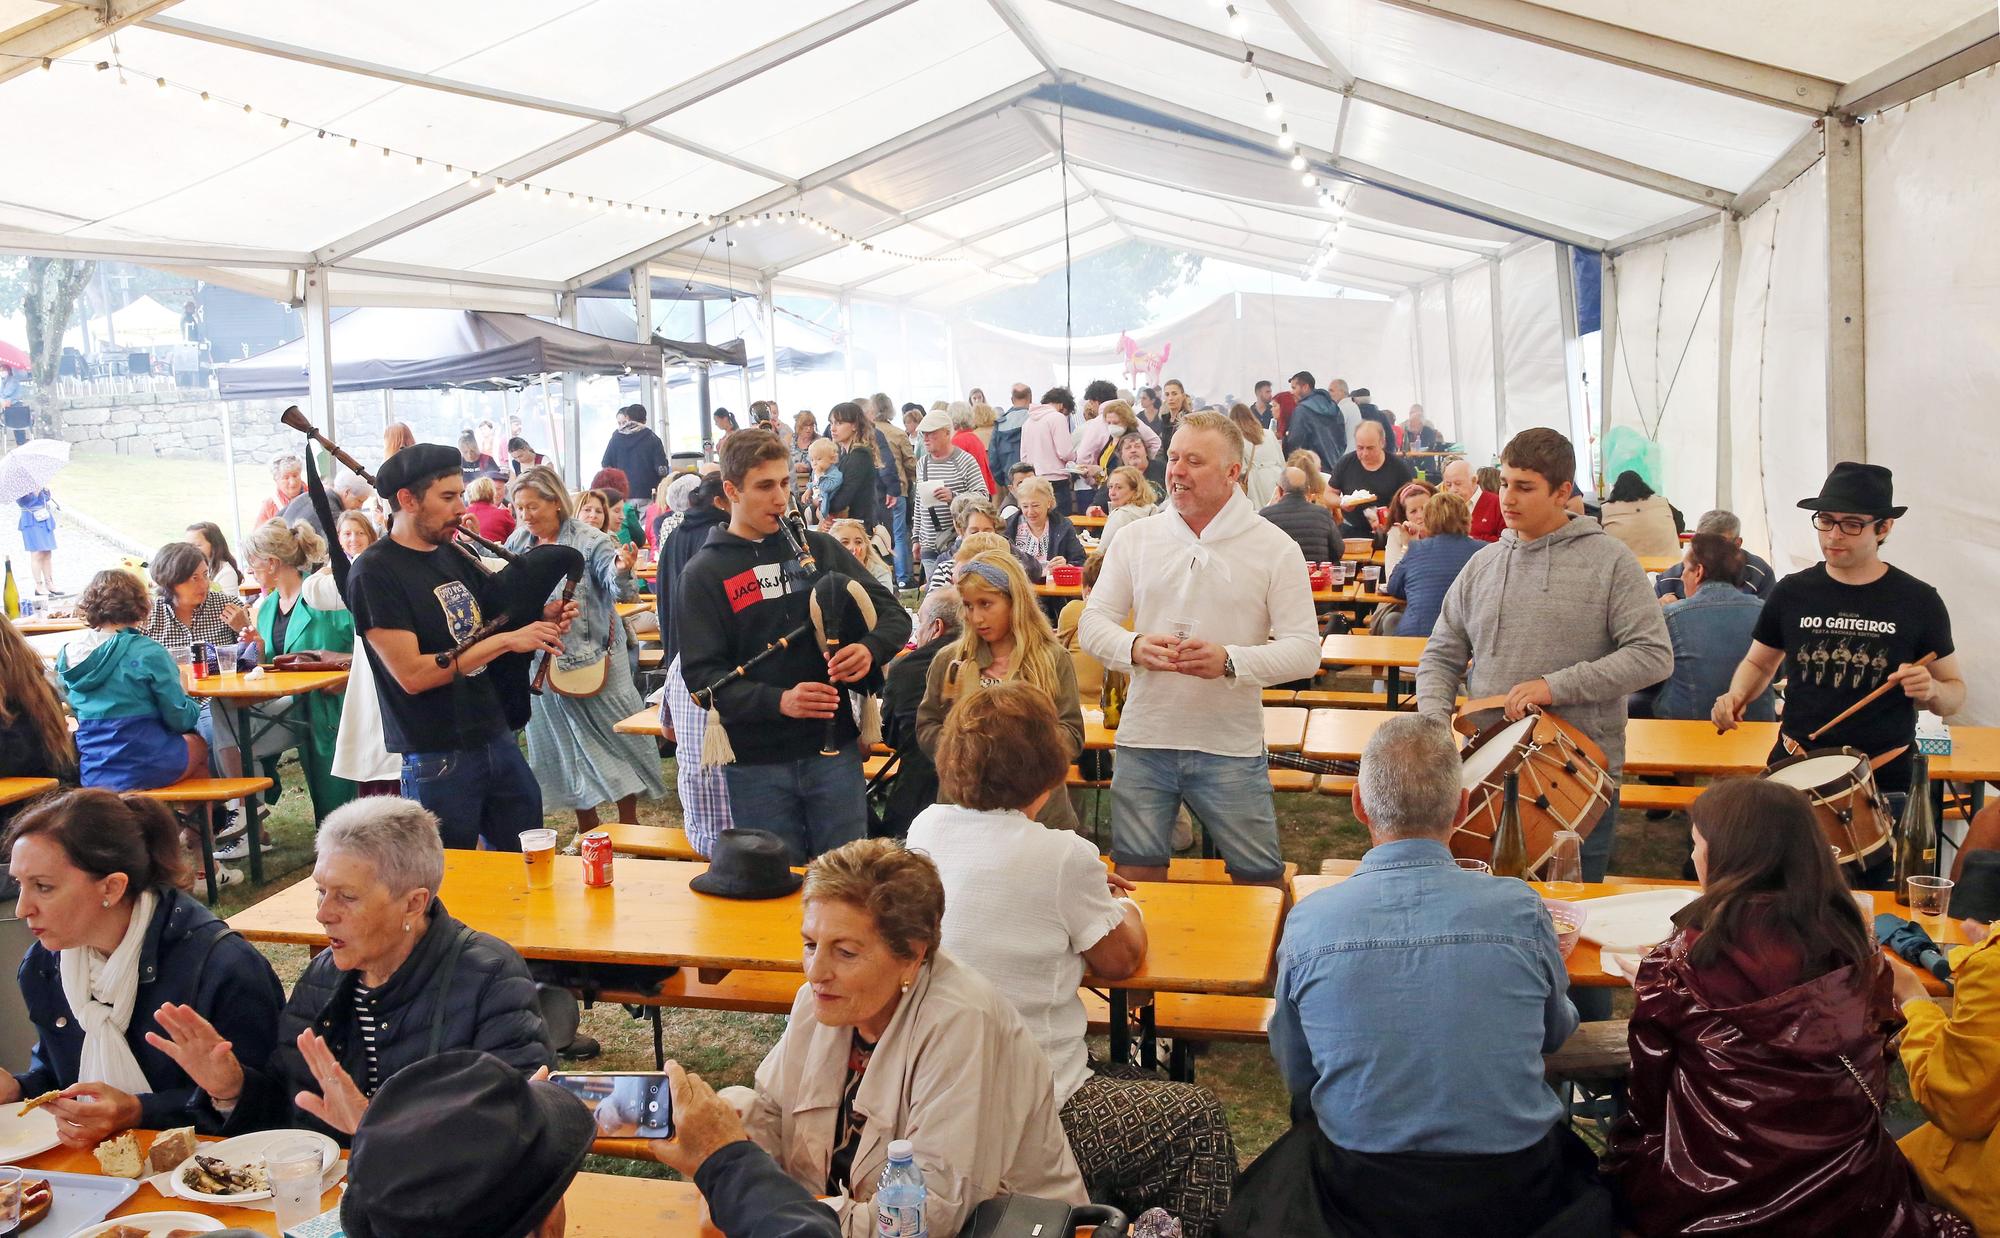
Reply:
x=1237, y=25
x=1285, y=139
x=1306, y=180
x=1272, y=108
x=1298, y=163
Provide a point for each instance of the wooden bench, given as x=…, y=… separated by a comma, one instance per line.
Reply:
x=1317, y=698
x=1597, y=1056
x=651, y=842
x=645, y=722
x=1280, y=696
x=1336, y=784
x=207, y=793
x=1655, y=797
x=652, y=659
x=1206, y=872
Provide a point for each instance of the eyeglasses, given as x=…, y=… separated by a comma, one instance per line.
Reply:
x=1853, y=526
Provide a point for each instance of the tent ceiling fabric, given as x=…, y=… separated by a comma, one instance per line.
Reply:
x=928, y=133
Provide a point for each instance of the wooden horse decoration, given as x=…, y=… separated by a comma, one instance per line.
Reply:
x=1142, y=368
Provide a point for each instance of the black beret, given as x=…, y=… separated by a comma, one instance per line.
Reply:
x=415, y=465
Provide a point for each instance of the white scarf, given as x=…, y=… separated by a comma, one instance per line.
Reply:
x=102, y=992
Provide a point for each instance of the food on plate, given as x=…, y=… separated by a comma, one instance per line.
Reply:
x=213, y=1177
x=119, y=1157
x=169, y=1149
x=36, y=1200
x=36, y=1102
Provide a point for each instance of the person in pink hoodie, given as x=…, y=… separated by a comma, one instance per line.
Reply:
x=1047, y=444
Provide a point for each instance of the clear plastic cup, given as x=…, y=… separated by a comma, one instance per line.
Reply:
x=1564, y=868
x=1480, y=867
x=10, y=1198
x=1930, y=897
x=538, y=851
x=295, y=1167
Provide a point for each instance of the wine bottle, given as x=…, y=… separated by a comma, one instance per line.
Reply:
x=1510, y=846
x=12, y=593
x=1916, y=833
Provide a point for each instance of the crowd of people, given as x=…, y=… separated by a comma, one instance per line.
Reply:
x=818, y=594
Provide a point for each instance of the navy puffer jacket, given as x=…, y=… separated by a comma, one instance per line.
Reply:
x=459, y=989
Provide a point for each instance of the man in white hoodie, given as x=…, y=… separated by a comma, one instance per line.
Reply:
x=1222, y=609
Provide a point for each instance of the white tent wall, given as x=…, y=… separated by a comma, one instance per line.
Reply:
x=1434, y=347
x=1221, y=349
x=1665, y=377
x=1531, y=341
x=1472, y=357
x=1777, y=371
x=1933, y=306
x=1391, y=377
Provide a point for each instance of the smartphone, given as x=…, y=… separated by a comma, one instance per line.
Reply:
x=626, y=1105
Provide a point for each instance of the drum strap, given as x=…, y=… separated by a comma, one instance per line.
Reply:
x=1875, y=763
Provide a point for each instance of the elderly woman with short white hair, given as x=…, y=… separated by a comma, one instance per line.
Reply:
x=401, y=981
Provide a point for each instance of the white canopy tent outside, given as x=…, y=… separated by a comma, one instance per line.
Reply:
x=1790, y=193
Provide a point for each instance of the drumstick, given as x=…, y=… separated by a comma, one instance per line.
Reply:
x=1866, y=701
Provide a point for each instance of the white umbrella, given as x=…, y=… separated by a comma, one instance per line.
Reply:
x=28, y=468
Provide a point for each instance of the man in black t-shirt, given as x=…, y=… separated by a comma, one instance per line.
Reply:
x=1369, y=467
x=416, y=599
x=1840, y=630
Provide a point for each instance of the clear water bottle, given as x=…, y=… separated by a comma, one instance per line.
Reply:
x=899, y=1195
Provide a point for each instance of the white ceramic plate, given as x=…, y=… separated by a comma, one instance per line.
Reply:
x=1634, y=923
x=155, y=1223
x=247, y=1150
x=25, y=1136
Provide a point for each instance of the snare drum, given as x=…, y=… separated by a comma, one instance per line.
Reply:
x=1840, y=785
x=1564, y=785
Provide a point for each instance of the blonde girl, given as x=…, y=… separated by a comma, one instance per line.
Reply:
x=1005, y=636
x=854, y=537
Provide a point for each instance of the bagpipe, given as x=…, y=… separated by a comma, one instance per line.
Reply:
x=512, y=596
x=838, y=612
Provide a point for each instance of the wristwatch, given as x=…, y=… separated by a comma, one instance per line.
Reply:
x=1228, y=667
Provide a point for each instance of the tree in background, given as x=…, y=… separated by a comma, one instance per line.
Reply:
x=1110, y=291
x=46, y=292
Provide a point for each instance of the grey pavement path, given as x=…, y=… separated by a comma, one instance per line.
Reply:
x=79, y=553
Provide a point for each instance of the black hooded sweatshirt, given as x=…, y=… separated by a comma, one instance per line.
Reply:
x=736, y=597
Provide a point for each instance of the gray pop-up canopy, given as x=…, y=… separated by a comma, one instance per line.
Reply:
x=379, y=348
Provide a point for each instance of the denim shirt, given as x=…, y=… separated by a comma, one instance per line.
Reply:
x=604, y=585
x=1711, y=633
x=1414, y=1003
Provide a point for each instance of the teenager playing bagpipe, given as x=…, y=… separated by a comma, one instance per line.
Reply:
x=513, y=596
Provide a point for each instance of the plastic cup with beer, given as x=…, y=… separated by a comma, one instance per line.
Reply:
x=538, y=850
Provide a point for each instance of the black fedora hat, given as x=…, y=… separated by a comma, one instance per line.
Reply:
x=462, y=1145
x=1977, y=894
x=1864, y=489
x=748, y=864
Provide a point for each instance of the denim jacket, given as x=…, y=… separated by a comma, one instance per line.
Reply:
x=1414, y=1003
x=604, y=584
x=1711, y=633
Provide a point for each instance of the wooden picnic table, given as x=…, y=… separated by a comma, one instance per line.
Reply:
x=1676, y=746
x=1087, y=522
x=628, y=609
x=14, y=790
x=645, y=722
x=246, y=691
x=1352, y=595
x=1658, y=563
x=46, y=627
x=1341, y=734
x=1586, y=962
x=1393, y=652
x=1284, y=729
x=597, y=1205
x=651, y=917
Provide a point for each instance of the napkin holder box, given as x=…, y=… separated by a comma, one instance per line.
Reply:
x=325, y=1225
x=1933, y=736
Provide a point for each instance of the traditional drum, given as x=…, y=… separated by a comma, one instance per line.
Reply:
x=1840, y=785
x=1563, y=784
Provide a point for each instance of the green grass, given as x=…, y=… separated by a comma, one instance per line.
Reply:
x=725, y=1048
x=152, y=501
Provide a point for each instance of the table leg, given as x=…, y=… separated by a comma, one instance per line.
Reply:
x=1149, y=1039
x=1395, y=685
x=253, y=805
x=1938, y=788
x=1121, y=1033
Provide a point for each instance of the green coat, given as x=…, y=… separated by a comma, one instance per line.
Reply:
x=314, y=629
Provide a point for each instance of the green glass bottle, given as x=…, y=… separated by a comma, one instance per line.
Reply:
x=1916, y=833
x=1510, y=845
x=12, y=593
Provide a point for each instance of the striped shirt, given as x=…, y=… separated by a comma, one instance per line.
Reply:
x=369, y=1024
x=206, y=624
x=960, y=473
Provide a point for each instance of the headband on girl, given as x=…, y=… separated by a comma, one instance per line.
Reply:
x=988, y=573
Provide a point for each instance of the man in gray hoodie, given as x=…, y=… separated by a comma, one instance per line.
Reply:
x=1557, y=614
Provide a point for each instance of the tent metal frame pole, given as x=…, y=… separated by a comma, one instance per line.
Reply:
x=1499, y=356
x=318, y=320
x=1572, y=359
x=1846, y=322
x=952, y=385
x=1725, y=326
x=651, y=387
x=1451, y=357
x=767, y=306
x=229, y=470
x=1607, y=317
x=847, y=338
x=1417, y=345
x=570, y=454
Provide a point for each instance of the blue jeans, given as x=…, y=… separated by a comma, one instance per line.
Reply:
x=1231, y=795
x=477, y=793
x=815, y=804
x=899, y=524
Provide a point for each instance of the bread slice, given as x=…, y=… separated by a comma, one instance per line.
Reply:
x=119, y=1157
x=36, y=1102
x=169, y=1149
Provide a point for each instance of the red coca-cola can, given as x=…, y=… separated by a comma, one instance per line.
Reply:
x=595, y=848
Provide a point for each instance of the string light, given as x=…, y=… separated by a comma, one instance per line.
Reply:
x=1285, y=139
x=1298, y=163
x=1272, y=108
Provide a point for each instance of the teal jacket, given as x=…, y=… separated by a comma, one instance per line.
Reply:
x=312, y=628
x=128, y=676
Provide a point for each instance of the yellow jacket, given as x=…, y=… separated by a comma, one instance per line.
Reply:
x=1954, y=1069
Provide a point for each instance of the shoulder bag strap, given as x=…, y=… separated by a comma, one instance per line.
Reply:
x=446, y=971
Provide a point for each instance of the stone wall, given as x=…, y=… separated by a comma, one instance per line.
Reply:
x=192, y=429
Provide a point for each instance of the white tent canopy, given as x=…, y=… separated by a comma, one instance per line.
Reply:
x=1794, y=195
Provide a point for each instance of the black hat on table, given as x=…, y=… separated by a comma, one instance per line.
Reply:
x=1864, y=489
x=748, y=864
x=1977, y=894
x=462, y=1145
x=415, y=465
